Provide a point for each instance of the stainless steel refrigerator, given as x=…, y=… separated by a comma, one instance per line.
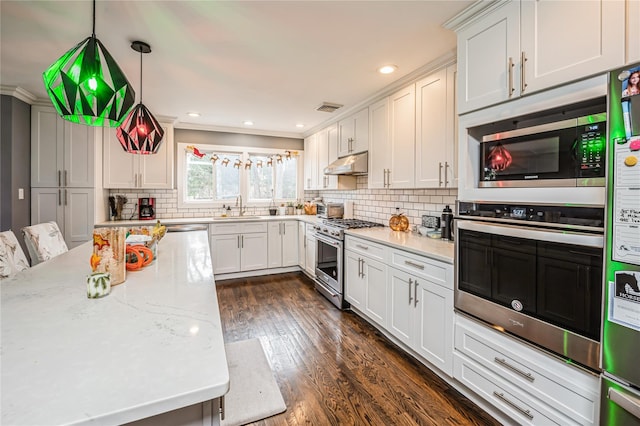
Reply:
x=620, y=397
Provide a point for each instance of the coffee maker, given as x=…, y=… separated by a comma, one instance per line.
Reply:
x=146, y=209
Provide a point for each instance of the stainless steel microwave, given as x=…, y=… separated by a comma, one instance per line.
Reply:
x=565, y=153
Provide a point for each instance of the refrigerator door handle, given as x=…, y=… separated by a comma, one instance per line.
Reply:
x=627, y=402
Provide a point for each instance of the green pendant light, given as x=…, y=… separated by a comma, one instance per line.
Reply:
x=87, y=86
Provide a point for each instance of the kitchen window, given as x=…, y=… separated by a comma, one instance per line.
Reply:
x=258, y=175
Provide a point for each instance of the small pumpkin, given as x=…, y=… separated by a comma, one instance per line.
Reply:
x=398, y=221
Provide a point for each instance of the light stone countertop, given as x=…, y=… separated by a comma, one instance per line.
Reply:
x=437, y=249
x=153, y=345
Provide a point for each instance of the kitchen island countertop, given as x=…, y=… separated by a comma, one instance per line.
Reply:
x=437, y=249
x=207, y=220
x=153, y=345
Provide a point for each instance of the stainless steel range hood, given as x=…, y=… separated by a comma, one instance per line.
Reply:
x=351, y=165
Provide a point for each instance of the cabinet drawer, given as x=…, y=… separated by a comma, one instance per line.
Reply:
x=420, y=266
x=238, y=228
x=364, y=247
x=514, y=403
x=568, y=389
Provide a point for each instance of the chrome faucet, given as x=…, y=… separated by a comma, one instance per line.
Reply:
x=239, y=204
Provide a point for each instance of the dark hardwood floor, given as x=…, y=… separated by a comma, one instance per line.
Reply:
x=333, y=368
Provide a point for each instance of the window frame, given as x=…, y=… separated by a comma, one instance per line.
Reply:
x=244, y=153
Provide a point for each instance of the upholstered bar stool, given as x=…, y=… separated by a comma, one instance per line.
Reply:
x=44, y=241
x=12, y=258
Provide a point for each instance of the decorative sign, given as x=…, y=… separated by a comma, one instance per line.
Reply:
x=624, y=299
x=287, y=155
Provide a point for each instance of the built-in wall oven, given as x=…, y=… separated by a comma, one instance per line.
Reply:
x=534, y=271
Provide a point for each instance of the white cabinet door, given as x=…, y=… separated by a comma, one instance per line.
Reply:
x=322, y=148
x=78, y=215
x=434, y=325
x=62, y=153
x=488, y=51
x=125, y=170
x=254, y=251
x=375, y=276
x=401, y=292
x=553, y=53
x=402, y=107
x=311, y=254
x=225, y=253
x=354, y=285
x=274, y=244
x=289, y=243
x=633, y=31
x=431, y=130
x=310, y=162
x=302, y=246
x=331, y=181
x=380, y=145
x=354, y=134
x=47, y=204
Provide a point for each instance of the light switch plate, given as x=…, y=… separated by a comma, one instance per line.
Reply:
x=20, y=193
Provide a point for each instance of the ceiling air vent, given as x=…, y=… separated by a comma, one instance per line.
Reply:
x=328, y=107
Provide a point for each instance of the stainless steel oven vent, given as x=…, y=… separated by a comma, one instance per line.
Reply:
x=328, y=107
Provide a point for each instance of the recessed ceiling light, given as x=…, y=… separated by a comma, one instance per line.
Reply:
x=248, y=123
x=193, y=114
x=387, y=69
x=300, y=125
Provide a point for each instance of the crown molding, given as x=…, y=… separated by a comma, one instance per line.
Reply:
x=18, y=93
x=478, y=8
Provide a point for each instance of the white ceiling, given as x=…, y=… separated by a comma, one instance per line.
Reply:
x=272, y=62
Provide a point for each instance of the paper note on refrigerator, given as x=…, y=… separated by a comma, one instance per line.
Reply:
x=624, y=299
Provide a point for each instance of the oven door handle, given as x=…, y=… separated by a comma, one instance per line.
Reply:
x=550, y=235
x=328, y=240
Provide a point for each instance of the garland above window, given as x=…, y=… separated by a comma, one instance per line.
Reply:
x=238, y=164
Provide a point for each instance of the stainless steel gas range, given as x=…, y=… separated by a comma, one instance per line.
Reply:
x=330, y=254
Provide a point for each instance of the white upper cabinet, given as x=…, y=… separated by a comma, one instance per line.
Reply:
x=62, y=152
x=321, y=149
x=353, y=133
x=633, y=31
x=402, y=105
x=380, y=146
x=436, y=155
x=311, y=162
x=125, y=170
x=526, y=46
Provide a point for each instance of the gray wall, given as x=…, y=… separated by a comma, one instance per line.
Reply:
x=15, y=164
x=236, y=139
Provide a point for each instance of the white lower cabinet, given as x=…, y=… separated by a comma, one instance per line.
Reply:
x=239, y=247
x=302, y=246
x=310, y=251
x=283, y=243
x=367, y=287
x=527, y=385
x=408, y=295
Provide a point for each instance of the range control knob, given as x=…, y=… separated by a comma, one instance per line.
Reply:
x=325, y=230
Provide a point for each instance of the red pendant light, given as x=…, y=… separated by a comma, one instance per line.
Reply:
x=140, y=132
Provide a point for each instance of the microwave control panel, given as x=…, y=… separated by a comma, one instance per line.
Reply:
x=591, y=147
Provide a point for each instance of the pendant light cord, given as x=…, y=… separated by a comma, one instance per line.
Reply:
x=140, y=76
x=94, y=19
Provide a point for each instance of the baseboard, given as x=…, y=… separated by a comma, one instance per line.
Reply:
x=256, y=273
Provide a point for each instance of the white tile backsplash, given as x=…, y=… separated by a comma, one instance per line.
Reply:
x=376, y=205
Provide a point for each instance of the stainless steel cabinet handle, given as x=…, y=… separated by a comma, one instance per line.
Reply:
x=59, y=178
x=410, y=297
x=388, y=178
x=415, y=293
x=439, y=174
x=362, y=247
x=350, y=140
x=516, y=370
x=415, y=265
x=513, y=405
x=238, y=237
x=523, y=78
x=510, y=87
x=446, y=168
x=66, y=197
x=65, y=178
x=627, y=402
x=359, y=267
x=241, y=241
x=59, y=197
